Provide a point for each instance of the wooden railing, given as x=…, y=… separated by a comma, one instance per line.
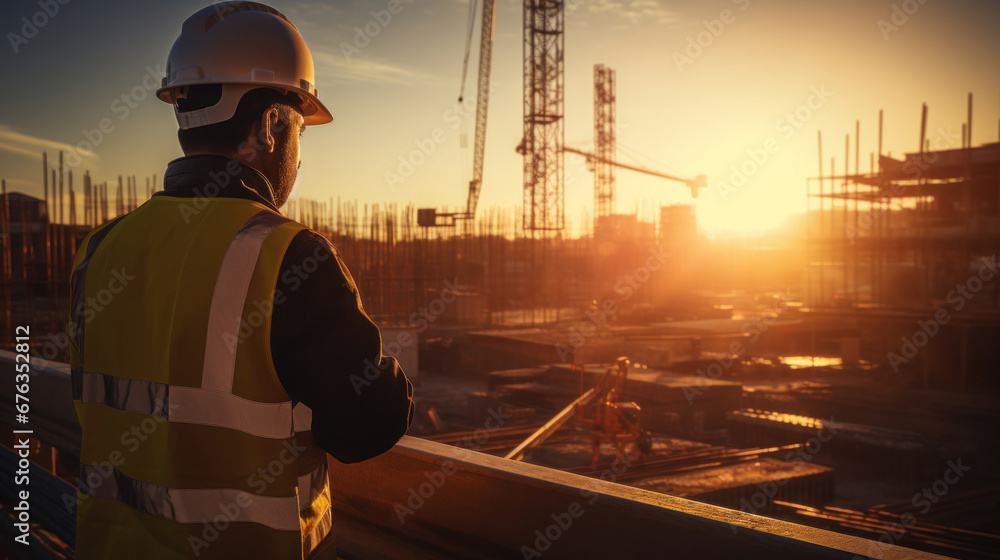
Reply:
x=424, y=499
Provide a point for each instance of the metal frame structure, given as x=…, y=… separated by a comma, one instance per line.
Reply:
x=905, y=233
x=604, y=141
x=544, y=132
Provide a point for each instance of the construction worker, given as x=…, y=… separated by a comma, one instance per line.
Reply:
x=220, y=350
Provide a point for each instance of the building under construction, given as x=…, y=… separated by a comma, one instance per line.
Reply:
x=907, y=253
x=759, y=396
x=617, y=385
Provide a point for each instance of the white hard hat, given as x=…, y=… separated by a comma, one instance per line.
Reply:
x=242, y=46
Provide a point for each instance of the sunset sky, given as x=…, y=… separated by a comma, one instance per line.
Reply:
x=679, y=109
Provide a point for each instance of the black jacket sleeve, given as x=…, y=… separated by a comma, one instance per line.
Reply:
x=328, y=355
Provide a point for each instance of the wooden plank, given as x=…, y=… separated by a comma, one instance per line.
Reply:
x=465, y=504
x=427, y=499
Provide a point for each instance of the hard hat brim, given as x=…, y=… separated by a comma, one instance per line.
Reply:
x=241, y=45
x=321, y=115
x=313, y=110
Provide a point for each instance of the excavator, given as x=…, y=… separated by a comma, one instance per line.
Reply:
x=610, y=420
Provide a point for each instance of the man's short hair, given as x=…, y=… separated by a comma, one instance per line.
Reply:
x=227, y=136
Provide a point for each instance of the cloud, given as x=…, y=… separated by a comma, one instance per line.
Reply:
x=307, y=12
x=599, y=6
x=313, y=14
x=19, y=150
x=32, y=146
x=21, y=182
x=635, y=11
x=361, y=69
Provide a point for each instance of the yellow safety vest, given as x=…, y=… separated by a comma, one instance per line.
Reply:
x=191, y=447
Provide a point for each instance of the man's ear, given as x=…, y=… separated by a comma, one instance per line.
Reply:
x=269, y=127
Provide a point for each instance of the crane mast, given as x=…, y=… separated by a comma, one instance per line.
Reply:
x=544, y=132
x=482, y=105
x=604, y=141
x=543, y=143
x=429, y=217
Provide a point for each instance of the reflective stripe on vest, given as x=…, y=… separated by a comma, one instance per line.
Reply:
x=316, y=487
x=303, y=508
x=188, y=505
x=191, y=406
x=227, y=301
x=197, y=505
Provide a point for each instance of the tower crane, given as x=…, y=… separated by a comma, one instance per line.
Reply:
x=699, y=182
x=430, y=217
x=602, y=160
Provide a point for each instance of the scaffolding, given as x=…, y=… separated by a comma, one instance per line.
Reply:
x=904, y=235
